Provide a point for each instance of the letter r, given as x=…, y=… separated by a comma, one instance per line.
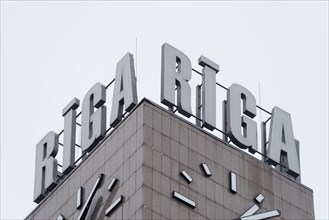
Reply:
x=45, y=166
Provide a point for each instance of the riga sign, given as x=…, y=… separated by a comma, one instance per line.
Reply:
x=176, y=71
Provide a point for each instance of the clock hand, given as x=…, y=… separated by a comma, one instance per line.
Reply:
x=250, y=211
x=60, y=217
x=259, y=198
x=85, y=208
x=262, y=216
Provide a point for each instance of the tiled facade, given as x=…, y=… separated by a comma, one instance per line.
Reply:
x=146, y=153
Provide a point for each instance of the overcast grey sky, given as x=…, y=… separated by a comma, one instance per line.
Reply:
x=53, y=51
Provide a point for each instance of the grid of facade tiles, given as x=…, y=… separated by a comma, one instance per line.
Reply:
x=147, y=151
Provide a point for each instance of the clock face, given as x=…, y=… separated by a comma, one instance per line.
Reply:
x=106, y=194
x=92, y=208
x=250, y=214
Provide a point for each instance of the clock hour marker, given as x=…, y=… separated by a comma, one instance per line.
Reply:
x=112, y=184
x=233, y=185
x=205, y=169
x=184, y=199
x=186, y=176
x=79, y=198
x=114, y=205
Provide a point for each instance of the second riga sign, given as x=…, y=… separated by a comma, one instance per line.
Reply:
x=176, y=71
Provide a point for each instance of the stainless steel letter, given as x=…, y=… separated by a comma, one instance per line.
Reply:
x=45, y=166
x=208, y=92
x=198, y=105
x=171, y=76
x=281, y=142
x=69, y=113
x=93, y=126
x=125, y=92
x=234, y=120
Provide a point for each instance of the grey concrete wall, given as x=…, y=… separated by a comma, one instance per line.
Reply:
x=146, y=153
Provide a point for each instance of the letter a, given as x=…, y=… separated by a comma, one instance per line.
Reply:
x=125, y=92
